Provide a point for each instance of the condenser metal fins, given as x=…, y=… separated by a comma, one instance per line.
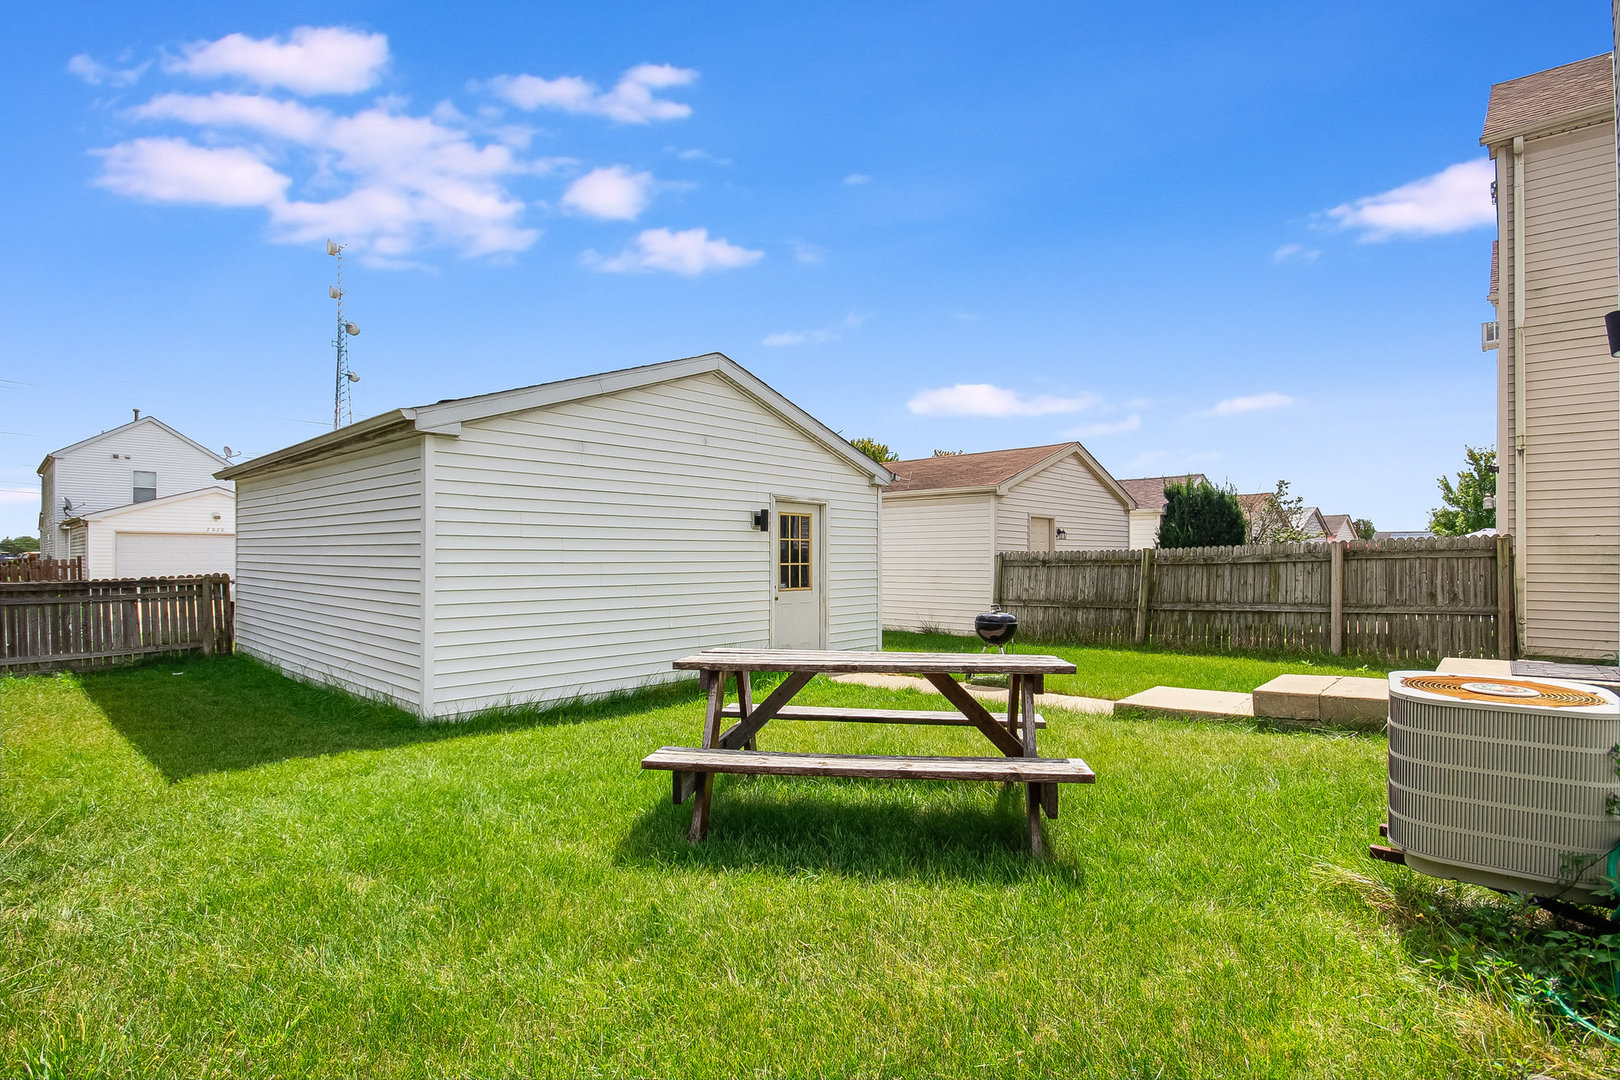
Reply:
x=1504, y=782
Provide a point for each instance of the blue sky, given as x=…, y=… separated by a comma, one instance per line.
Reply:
x=1247, y=240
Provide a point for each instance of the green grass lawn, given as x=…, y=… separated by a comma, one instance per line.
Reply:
x=1117, y=673
x=207, y=870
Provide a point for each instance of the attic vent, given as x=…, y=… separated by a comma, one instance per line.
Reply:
x=1490, y=335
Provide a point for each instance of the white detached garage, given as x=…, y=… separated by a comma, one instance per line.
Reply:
x=571, y=538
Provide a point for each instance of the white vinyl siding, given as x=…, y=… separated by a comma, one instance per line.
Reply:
x=1570, y=545
x=938, y=561
x=329, y=569
x=1085, y=508
x=582, y=547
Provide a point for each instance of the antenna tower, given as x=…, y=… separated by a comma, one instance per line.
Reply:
x=342, y=411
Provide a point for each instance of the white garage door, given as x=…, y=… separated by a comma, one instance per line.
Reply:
x=175, y=554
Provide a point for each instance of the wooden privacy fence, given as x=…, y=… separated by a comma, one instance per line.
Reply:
x=35, y=568
x=1423, y=598
x=89, y=624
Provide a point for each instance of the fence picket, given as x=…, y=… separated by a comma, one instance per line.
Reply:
x=78, y=624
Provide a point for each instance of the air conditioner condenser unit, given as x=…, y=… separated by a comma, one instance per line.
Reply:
x=1504, y=782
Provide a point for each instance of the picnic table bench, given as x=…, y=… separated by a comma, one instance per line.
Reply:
x=732, y=749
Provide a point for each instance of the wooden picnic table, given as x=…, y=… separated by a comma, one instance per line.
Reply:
x=732, y=749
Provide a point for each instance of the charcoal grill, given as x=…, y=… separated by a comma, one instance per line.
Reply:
x=996, y=627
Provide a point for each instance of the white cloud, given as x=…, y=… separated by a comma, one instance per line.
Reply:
x=689, y=252
x=631, y=101
x=832, y=332
x=1452, y=200
x=983, y=399
x=857, y=179
x=1253, y=403
x=808, y=253
x=313, y=60
x=1111, y=427
x=614, y=193
x=284, y=119
x=96, y=74
x=1295, y=253
x=403, y=181
x=174, y=170
x=699, y=155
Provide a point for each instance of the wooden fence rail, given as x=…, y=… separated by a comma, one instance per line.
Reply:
x=1424, y=598
x=34, y=568
x=88, y=624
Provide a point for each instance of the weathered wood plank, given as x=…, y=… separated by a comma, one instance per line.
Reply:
x=942, y=717
x=869, y=766
x=832, y=662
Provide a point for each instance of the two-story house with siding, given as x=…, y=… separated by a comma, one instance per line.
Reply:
x=139, y=500
x=1552, y=137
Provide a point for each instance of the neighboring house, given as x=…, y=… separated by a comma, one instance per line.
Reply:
x=190, y=533
x=1148, y=494
x=108, y=486
x=1340, y=527
x=1552, y=137
x=1406, y=534
x=944, y=519
x=1261, y=511
x=561, y=540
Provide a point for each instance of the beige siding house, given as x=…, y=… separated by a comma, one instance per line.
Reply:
x=1552, y=137
x=1148, y=494
x=566, y=539
x=944, y=519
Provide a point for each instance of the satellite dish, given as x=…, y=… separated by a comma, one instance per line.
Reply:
x=332, y=249
x=353, y=377
x=351, y=329
x=227, y=451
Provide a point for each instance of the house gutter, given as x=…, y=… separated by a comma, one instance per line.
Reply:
x=1521, y=532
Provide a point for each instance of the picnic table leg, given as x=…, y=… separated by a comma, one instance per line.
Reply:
x=1035, y=796
x=1012, y=705
x=714, y=682
x=745, y=704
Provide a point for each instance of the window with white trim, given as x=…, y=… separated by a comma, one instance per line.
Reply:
x=145, y=486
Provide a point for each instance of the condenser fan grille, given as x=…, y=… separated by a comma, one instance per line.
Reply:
x=1517, y=691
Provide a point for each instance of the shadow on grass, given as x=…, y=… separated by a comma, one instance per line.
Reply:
x=199, y=716
x=847, y=827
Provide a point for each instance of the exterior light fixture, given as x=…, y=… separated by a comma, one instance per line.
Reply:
x=1062, y=535
x=762, y=520
x=1611, y=322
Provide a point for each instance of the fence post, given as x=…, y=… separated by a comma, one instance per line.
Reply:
x=1144, y=590
x=205, y=602
x=1336, y=600
x=1504, y=598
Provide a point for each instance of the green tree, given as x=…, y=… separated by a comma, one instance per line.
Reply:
x=1365, y=529
x=1464, y=510
x=878, y=452
x=1276, y=521
x=1199, y=514
x=17, y=545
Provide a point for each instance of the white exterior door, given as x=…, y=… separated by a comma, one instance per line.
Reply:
x=797, y=620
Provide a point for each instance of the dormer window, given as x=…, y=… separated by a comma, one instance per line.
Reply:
x=145, y=486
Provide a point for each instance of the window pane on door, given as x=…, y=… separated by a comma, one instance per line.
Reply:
x=793, y=551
